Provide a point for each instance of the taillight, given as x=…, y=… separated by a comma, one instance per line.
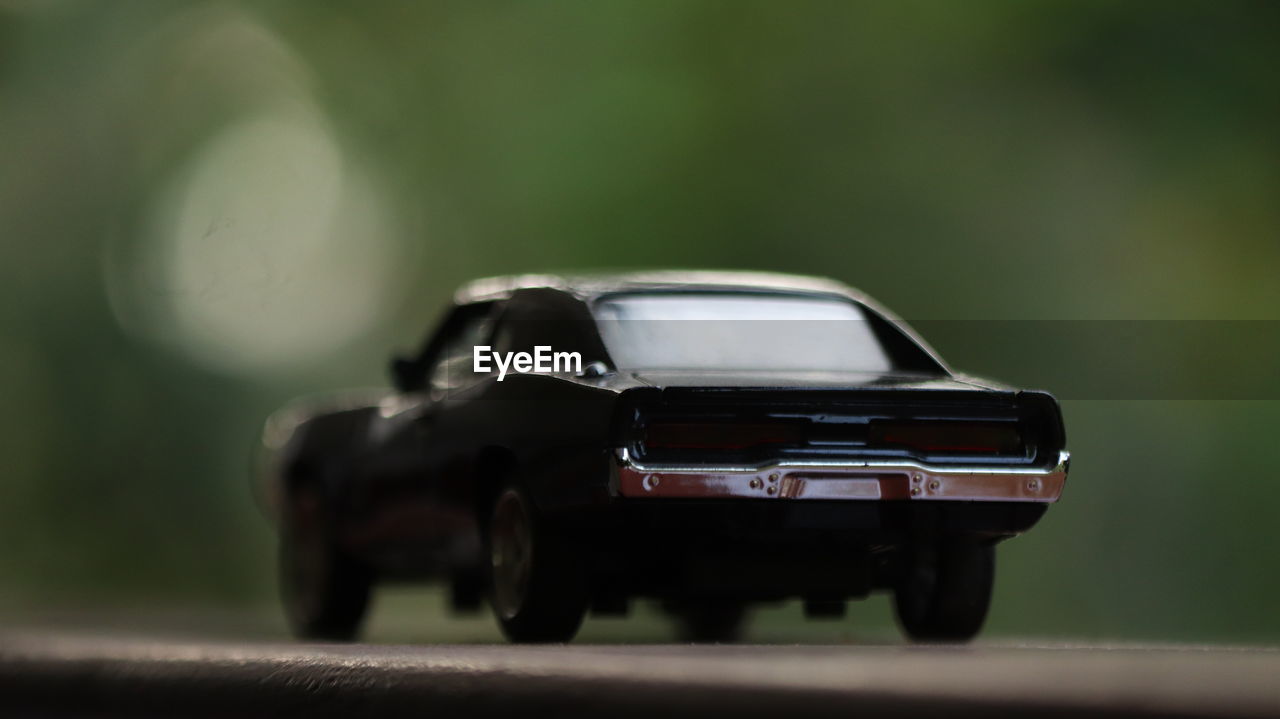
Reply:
x=719, y=435
x=946, y=436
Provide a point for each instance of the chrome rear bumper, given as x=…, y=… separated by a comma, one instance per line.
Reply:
x=844, y=481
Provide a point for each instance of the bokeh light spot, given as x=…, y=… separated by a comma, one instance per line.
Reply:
x=274, y=251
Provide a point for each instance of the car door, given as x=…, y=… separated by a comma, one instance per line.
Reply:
x=451, y=384
x=403, y=498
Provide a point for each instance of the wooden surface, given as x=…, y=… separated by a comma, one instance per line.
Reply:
x=75, y=674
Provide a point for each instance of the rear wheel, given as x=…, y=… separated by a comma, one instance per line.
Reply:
x=538, y=585
x=324, y=592
x=945, y=591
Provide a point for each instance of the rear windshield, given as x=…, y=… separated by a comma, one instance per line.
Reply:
x=739, y=331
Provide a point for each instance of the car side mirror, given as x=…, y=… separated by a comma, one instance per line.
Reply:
x=406, y=374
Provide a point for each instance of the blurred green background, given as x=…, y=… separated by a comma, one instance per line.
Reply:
x=208, y=208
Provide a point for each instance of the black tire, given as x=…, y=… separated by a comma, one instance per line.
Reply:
x=945, y=591
x=325, y=593
x=537, y=581
x=710, y=621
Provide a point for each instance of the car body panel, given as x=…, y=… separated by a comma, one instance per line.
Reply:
x=410, y=473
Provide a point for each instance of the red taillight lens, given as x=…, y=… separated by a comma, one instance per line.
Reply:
x=726, y=435
x=947, y=436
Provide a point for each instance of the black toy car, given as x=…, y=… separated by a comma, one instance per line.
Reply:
x=709, y=440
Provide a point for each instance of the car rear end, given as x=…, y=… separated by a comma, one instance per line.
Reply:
x=842, y=445
x=772, y=492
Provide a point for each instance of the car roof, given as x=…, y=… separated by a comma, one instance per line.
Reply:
x=591, y=285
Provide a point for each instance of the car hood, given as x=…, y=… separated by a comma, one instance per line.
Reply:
x=815, y=380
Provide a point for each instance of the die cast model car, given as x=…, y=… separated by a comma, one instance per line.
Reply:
x=723, y=439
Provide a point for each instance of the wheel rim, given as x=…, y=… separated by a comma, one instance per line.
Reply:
x=511, y=553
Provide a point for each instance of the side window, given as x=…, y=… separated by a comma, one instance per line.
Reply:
x=453, y=363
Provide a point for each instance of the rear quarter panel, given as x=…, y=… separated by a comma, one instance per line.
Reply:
x=556, y=432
